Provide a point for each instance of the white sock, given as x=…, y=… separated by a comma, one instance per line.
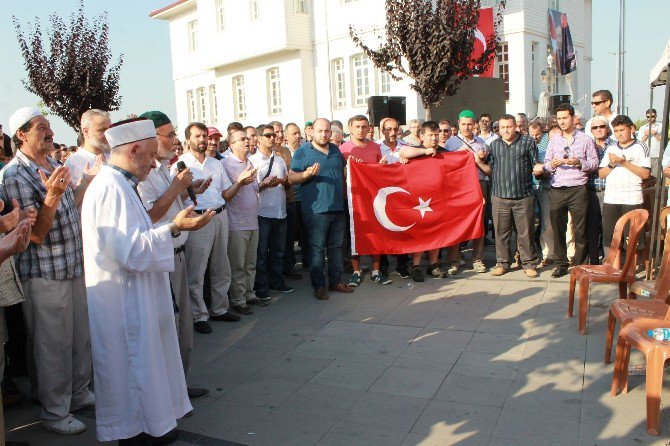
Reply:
x=375, y=272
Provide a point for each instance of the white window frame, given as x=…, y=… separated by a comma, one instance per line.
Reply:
x=254, y=12
x=360, y=79
x=384, y=82
x=201, y=101
x=555, y=5
x=273, y=91
x=339, y=81
x=190, y=105
x=239, y=98
x=502, y=62
x=192, y=27
x=534, y=47
x=213, y=105
x=300, y=6
x=220, y=15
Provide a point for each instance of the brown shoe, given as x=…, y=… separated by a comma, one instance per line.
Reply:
x=341, y=288
x=498, y=271
x=321, y=294
x=530, y=272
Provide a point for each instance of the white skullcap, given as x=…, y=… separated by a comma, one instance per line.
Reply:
x=22, y=116
x=130, y=130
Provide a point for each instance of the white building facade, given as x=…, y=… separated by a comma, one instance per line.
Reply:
x=255, y=61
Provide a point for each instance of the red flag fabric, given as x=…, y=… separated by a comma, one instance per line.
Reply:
x=429, y=203
x=482, y=34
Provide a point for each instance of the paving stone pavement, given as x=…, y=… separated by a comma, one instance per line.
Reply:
x=470, y=360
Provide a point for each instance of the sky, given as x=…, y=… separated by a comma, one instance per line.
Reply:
x=146, y=74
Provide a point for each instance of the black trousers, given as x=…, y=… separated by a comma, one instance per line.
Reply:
x=562, y=201
x=612, y=213
x=594, y=225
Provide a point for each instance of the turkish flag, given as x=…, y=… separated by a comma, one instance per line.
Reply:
x=429, y=203
x=483, y=33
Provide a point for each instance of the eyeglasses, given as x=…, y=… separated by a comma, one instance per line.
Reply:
x=597, y=102
x=269, y=135
x=598, y=127
x=566, y=155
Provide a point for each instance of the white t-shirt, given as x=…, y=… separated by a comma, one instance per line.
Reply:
x=271, y=200
x=622, y=186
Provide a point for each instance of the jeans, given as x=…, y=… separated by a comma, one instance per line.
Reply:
x=325, y=230
x=270, y=254
x=291, y=222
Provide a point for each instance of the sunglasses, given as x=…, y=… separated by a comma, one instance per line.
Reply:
x=598, y=127
x=269, y=135
x=651, y=116
x=597, y=102
x=244, y=138
x=445, y=130
x=566, y=155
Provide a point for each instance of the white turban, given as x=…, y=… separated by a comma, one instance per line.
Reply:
x=22, y=116
x=130, y=130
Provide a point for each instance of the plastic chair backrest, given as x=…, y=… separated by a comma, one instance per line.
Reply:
x=663, y=218
x=637, y=219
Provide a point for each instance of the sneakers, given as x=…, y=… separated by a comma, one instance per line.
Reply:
x=355, y=279
x=242, y=309
x=479, y=266
x=498, y=270
x=67, y=426
x=417, y=274
x=258, y=302
x=452, y=270
x=402, y=272
x=381, y=279
x=435, y=271
x=88, y=400
x=530, y=272
x=283, y=289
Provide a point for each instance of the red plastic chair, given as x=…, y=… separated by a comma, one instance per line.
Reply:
x=609, y=271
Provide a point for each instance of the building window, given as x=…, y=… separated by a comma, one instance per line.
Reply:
x=202, y=105
x=190, y=105
x=220, y=16
x=300, y=6
x=533, y=69
x=240, y=101
x=213, y=105
x=360, y=68
x=339, y=85
x=384, y=82
x=253, y=10
x=274, y=91
x=346, y=2
x=555, y=4
x=192, y=35
x=503, y=66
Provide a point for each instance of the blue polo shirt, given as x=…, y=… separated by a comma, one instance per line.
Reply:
x=325, y=191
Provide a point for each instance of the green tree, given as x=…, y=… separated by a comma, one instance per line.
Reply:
x=74, y=74
x=431, y=42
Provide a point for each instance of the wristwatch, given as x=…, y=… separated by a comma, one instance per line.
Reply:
x=610, y=166
x=174, y=230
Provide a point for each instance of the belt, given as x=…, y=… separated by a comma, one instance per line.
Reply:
x=180, y=249
x=202, y=211
x=567, y=187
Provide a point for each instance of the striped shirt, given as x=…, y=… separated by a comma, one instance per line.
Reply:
x=512, y=166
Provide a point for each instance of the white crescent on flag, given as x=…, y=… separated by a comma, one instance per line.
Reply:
x=379, y=205
x=480, y=36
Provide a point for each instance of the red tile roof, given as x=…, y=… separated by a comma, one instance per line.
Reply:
x=165, y=8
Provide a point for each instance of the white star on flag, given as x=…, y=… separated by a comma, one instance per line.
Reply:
x=423, y=207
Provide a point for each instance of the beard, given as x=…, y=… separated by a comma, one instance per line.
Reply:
x=98, y=144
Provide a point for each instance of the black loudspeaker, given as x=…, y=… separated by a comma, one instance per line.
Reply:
x=378, y=109
x=556, y=100
x=398, y=109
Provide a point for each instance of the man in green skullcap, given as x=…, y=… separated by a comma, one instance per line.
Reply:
x=162, y=198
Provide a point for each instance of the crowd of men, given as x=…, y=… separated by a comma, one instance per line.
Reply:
x=137, y=240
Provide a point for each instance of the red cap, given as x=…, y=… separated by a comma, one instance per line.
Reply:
x=213, y=132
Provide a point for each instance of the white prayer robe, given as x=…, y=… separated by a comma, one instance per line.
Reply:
x=139, y=379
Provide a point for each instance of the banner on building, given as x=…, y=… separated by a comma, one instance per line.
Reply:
x=562, y=48
x=483, y=33
x=428, y=203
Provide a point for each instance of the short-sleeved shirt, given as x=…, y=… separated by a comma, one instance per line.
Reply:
x=153, y=187
x=243, y=208
x=653, y=143
x=287, y=156
x=512, y=167
x=622, y=185
x=392, y=156
x=272, y=200
x=212, y=198
x=475, y=145
x=77, y=162
x=59, y=256
x=370, y=153
x=323, y=192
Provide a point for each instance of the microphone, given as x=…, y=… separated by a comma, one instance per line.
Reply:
x=181, y=167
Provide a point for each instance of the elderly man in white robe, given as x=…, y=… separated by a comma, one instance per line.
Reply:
x=139, y=377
